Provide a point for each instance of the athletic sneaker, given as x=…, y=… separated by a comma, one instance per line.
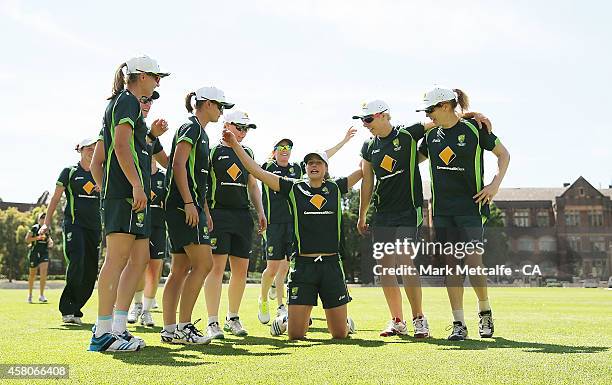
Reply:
x=459, y=333
x=30, y=298
x=154, y=304
x=272, y=292
x=146, y=319
x=109, y=342
x=421, y=327
x=70, y=319
x=264, y=312
x=351, y=325
x=234, y=326
x=395, y=327
x=282, y=311
x=278, y=326
x=134, y=313
x=190, y=335
x=214, y=331
x=42, y=299
x=485, y=324
x=77, y=320
x=167, y=336
x=126, y=335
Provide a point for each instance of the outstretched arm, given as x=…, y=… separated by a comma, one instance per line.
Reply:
x=354, y=177
x=349, y=134
x=249, y=163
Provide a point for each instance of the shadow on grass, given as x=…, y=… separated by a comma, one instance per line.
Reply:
x=85, y=326
x=160, y=355
x=503, y=343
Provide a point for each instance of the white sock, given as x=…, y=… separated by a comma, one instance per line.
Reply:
x=484, y=305
x=213, y=319
x=104, y=324
x=458, y=316
x=119, y=321
x=181, y=325
x=231, y=315
x=138, y=296
x=147, y=303
x=170, y=328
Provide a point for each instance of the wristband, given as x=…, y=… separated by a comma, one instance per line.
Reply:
x=151, y=136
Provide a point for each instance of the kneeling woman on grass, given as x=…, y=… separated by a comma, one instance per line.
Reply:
x=316, y=269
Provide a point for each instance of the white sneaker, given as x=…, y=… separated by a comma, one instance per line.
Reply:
x=485, y=324
x=282, y=311
x=109, y=342
x=134, y=313
x=395, y=327
x=214, y=331
x=190, y=335
x=154, y=304
x=234, y=326
x=278, y=326
x=68, y=319
x=351, y=325
x=146, y=319
x=264, y=312
x=30, y=298
x=77, y=320
x=421, y=327
x=129, y=337
x=272, y=293
x=42, y=299
x=167, y=336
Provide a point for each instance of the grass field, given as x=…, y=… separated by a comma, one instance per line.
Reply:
x=543, y=335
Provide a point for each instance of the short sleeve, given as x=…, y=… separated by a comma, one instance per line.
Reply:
x=417, y=131
x=188, y=132
x=488, y=141
x=342, y=185
x=303, y=168
x=286, y=184
x=127, y=110
x=101, y=135
x=157, y=146
x=365, y=150
x=423, y=147
x=62, y=180
x=249, y=151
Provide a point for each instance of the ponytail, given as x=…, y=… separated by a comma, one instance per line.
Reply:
x=119, y=82
x=462, y=100
x=188, y=105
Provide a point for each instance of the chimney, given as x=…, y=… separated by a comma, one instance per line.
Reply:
x=566, y=184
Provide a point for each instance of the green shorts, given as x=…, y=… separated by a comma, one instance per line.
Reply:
x=321, y=276
x=181, y=234
x=157, y=242
x=278, y=241
x=118, y=217
x=36, y=258
x=232, y=232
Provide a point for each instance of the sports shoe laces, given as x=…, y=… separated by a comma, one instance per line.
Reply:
x=487, y=320
x=193, y=329
x=418, y=323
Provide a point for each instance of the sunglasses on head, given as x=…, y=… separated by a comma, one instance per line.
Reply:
x=285, y=147
x=370, y=118
x=241, y=127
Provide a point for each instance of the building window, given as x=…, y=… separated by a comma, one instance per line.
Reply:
x=525, y=244
x=599, y=244
x=547, y=244
x=503, y=218
x=581, y=191
x=543, y=219
x=573, y=243
x=572, y=218
x=596, y=218
x=521, y=218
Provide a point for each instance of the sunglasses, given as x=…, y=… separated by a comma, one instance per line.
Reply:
x=154, y=76
x=146, y=99
x=286, y=147
x=431, y=109
x=370, y=118
x=241, y=127
x=216, y=103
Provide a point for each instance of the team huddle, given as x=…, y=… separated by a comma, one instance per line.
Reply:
x=202, y=204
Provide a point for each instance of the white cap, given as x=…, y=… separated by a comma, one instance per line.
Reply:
x=371, y=108
x=144, y=64
x=437, y=95
x=239, y=117
x=86, y=142
x=321, y=154
x=213, y=93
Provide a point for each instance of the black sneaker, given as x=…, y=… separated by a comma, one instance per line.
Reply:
x=459, y=333
x=485, y=324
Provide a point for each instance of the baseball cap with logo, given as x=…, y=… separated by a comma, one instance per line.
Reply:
x=371, y=108
x=239, y=117
x=144, y=64
x=318, y=153
x=437, y=95
x=215, y=94
x=287, y=140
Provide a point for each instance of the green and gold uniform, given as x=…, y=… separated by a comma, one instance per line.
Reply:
x=39, y=251
x=197, y=167
x=228, y=200
x=117, y=190
x=457, y=171
x=317, y=215
x=278, y=238
x=81, y=238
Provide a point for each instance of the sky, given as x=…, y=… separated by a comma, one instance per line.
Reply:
x=541, y=71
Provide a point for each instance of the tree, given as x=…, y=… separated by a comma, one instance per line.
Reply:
x=496, y=248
